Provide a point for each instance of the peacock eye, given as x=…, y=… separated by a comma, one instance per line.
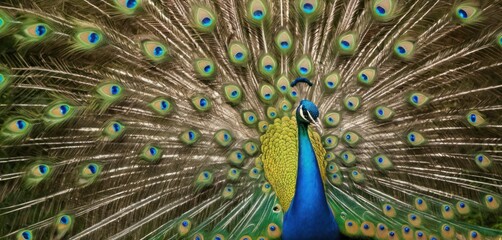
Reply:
x=205, y=68
x=383, y=10
x=284, y=41
x=267, y=65
x=162, y=105
x=304, y=66
x=267, y=93
x=37, y=173
x=467, y=13
x=236, y=157
x=404, y=49
x=347, y=43
x=89, y=38
x=151, y=153
x=201, y=103
x=249, y=118
x=475, y=118
x=190, y=136
x=331, y=81
x=24, y=235
x=110, y=91
x=257, y=11
x=154, y=50
x=58, y=112
x=250, y=147
x=17, y=128
x=37, y=31
x=184, y=227
x=238, y=53
x=128, y=6
x=113, y=130
x=203, y=19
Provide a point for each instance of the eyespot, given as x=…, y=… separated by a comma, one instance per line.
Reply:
x=110, y=91
x=113, y=130
x=24, y=235
x=204, y=179
x=190, y=136
x=383, y=162
x=266, y=187
x=254, y=173
x=262, y=126
x=357, y=176
x=421, y=204
x=151, y=153
x=184, y=227
x=404, y=49
x=128, y=6
x=309, y=7
x=205, y=68
x=407, y=232
x=330, y=141
x=233, y=174
x=417, y=99
x=348, y=158
x=352, y=103
x=293, y=95
x=383, y=113
x=232, y=94
x=203, y=19
x=463, y=207
x=332, y=119
x=282, y=84
x=267, y=93
x=447, y=212
x=332, y=168
x=304, y=66
x=499, y=39
x=382, y=231
x=330, y=156
x=154, y=51
x=331, y=81
x=277, y=208
x=272, y=113
x=236, y=157
x=383, y=10
x=284, y=105
x=198, y=236
x=336, y=178
x=273, y=230
x=367, y=229
x=37, y=31
x=58, y=112
x=89, y=38
x=346, y=43
x=419, y=235
x=467, y=13
x=351, y=138
x=162, y=105
x=414, y=220
x=238, y=53
x=63, y=223
x=89, y=173
x=250, y=147
x=351, y=227
x=483, y=161
x=201, y=103
x=284, y=41
x=447, y=231
x=257, y=12
x=267, y=65
x=475, y=118
x=474, y=235
x=249, y=118
x=415, y=139
x=223, y=137
x=367, y=76
x=16, y=128
x=5, y=79
x=36, y=173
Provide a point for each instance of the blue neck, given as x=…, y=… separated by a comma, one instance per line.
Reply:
x=309, y=216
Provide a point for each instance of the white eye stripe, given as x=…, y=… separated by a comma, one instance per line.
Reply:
x=311, y=118
x=301, y=113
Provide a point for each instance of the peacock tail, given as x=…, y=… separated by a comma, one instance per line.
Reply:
x=171, y=119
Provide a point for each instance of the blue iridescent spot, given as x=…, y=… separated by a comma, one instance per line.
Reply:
x=21, y=124
x=255, y=171
x=480, y=158
x=239, y=155
x=412, y=137
x=446, y=208
x=350, y=224
x=203, y=102
x=329, y=140
x=283, y=88
x=272, y=228
x=206, y=174
x=366, y=226
x=93, y=38
x=206, y=21
x=345, y=44
x=420, y=234
x=63, y=220
x=380, y=112
x=92, y=168
x=197, y=238
x=350, y=103
x=131, y=4
x=217, y=238
x=474, y=234
x=234, y=93
x=406, y=229
x=401, y=50
x=293, y=93
x=267, y=185
x=388, y=207
x=348, y=137
x=153, y=151
x=226, y=137
x=239, y=56
x=330, y=119
x=462, y=205
x=308, y=8
x=447, y=228
x=26, y=235
x=382, y=227
x=272, y=114
x=268, y=96
x=258, y=14
x=413, y=217
x=184, y=223
x=284, y=44
x=158, y=51
x=40, y=30
x=364, y=77
x=64, y=109
x=420, y=201
x=303, y=70
x=434, y=238
x=380, y=10
x=490, y=198
x=414, y=98
x=42, y=168
x=391, y=234
x=207, y=68
x=473, y=118
x=191, y=135
x=268, y=68
x=251, y=118
x=462, y=13
x=355, y=173
x=331, y=84
x=234, y=171
x=345, y=156
x=284, y=107
x=116, y=127
x=115, y=90
x=164, y=105
x=335, y=175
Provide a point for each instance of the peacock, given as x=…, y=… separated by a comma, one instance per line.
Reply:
x=251, y=119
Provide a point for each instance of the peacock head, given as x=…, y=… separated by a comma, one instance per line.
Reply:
x=307, y=113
